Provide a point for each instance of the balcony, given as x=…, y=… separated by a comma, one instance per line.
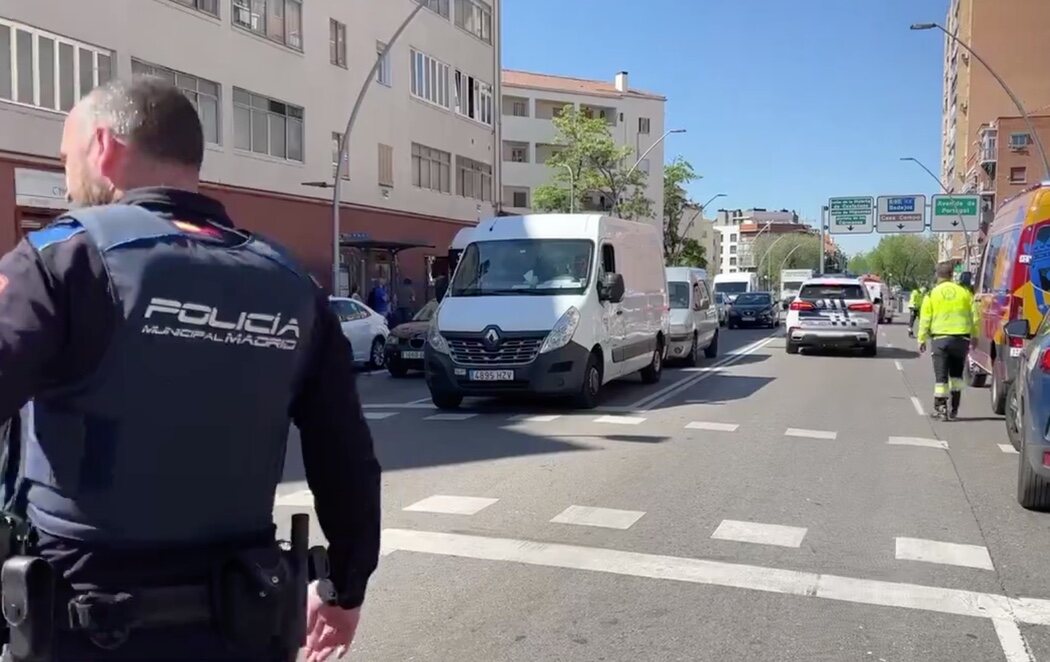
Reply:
x=989, y=147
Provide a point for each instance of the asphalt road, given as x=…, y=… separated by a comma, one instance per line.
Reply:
x=760, y=507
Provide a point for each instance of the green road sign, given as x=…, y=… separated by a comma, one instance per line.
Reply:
x=956, y=213
x=854, y=215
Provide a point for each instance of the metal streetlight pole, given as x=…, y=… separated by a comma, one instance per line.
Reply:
x=758, y=269
x=823, y=246
x=966, y=233
x=700, y=211
x=783, y=262
x=572, y=188
x=1002, y=84
x=344, y=141
x=641, y=158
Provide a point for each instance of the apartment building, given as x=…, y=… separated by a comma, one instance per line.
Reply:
x=1003, y=33
x=740, y=228
x=1007, y=161
x=274, y=82
x=530, y=102
x=703, y=230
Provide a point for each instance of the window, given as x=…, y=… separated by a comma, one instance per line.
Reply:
x=519, y=155
x=45, y=70
x=732, y=248
x=267, y=126
x=278, y=20
x=206, y=6
x=702, y=296
x=1020, y=140
x=608, y=259
x=473, y=98
x=439, y=7
x=520, y=199
x=1018, y=175
x=430, y=79
x=732, y=261
x=814, y=292
x=473, y=179
x=386, y=165
x=383, y=72
x=204, y=94
x=732, y=237
x=475, y=17
x=337, y=43
x=336, y=137
x=431, y=168
x=643, y=125
x=515, y=106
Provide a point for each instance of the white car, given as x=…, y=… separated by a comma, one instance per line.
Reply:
x=364, y=328
x=833, y=312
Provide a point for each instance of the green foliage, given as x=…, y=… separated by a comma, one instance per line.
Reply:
x=691, y=254
x=680, y=250
x=859, y=264
x=599, y=168
x=905, y=260
x=792, y=251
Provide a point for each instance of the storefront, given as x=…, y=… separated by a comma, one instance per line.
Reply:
x=31, y=196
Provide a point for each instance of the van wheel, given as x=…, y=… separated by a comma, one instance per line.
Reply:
x=1033, y=491
x=712, y=350
x=1014, y=422
x=997, y=392
x=446, y=399
x=652, y=372
x=591, y=388
x=694, y=352
x=974, y=377
x=791, y=347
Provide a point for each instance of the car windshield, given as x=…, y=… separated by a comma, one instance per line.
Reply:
x=832, y=291
x=678, y=294
x=426, y=312
x=752, y=299
x=792, y=285
x=524, y=267
x=731, y=288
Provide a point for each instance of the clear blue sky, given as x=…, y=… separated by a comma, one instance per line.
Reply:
x=786, y=102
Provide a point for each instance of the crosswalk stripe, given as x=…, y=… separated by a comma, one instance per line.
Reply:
x=761, y=534
x=379, y=415
x=299, y=499
x=449, y=417
x=620, y=420
x=1008, y=449
x=535, y=418
x=811, y=434
x=918, y=441
x=451, y=505
x=607, y=518
x=946, y=553
x=714, y=427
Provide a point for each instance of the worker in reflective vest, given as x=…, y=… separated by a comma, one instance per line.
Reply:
x=946, y=323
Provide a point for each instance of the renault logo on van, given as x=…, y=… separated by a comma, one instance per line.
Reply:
x=491, y=337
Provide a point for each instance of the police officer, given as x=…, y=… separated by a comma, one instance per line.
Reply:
x=158, y=355
x=947, y=319
x=915, y=305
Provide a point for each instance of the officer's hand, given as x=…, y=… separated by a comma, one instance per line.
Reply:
x=329, y=629
x=922, y=348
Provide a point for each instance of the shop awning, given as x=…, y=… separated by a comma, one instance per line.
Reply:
x=380, y=245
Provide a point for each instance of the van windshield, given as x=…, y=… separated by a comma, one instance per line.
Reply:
x=731, y=288
x=678, y=294
x=524, y=267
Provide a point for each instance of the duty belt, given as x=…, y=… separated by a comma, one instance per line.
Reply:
x=143, y=608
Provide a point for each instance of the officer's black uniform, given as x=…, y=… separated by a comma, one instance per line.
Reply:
x=157, y=367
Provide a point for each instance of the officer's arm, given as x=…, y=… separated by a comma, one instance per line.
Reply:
x=341, y=467
x=925, y=318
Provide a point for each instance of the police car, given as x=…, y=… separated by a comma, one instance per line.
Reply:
x=833, y=312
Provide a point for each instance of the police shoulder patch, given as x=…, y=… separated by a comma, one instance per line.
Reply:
x=60, y=230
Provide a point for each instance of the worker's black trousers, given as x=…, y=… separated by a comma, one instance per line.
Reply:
x=949, y=361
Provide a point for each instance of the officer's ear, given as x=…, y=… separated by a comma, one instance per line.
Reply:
x=111, y=152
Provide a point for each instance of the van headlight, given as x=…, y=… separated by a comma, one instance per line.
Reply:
x=562, y=332
x=436, y=340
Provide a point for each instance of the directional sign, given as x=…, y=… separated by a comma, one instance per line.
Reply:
x=901, y=213
x=955, y=213
x=851, y=215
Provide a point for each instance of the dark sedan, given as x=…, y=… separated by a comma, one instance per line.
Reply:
x=754, y=309
x=404, y=345
x=1028, y=412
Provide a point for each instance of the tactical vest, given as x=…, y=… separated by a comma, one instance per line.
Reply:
x=179, y=435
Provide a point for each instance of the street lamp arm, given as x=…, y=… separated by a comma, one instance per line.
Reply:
x=651, y=148
x=1006, y=88
x=344, y=141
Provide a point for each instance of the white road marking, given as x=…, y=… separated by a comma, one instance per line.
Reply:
x=1008, y=449
x=897, y=364
x=810, y=434
x=918, y=441
x=714, y=427
x=420, y=401
x=299, y=499
x=719, y=573
x=399, y=405
x=535, y=418
x=889, y=344
x=379, y=415
x=449, y=417
x=608, y=518
x=620, y=420
x=947, y=553
x=451, y=505
x=654, y=399
x=761, y=534
x=918, y=406
x=1012, y=641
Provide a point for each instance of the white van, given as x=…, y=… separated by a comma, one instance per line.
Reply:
x=555, y=304
x=694, y=316
x=730, y=285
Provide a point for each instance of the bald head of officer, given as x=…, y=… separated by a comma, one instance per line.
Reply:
x=124, y=136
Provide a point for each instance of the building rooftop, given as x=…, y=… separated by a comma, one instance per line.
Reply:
x=513, y=78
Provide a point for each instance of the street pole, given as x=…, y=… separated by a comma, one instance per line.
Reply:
x=344, y=142
x=640, y=159
x=572, y=188
x=758, y=269
x=783, y=262
x=823, y=247
x=966, y=233
x=1002, y=84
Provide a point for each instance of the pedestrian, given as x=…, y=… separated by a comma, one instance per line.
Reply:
x=914, y=306
x=378, y=298
x=946, y=321
x=406, y=301
x=158, y=354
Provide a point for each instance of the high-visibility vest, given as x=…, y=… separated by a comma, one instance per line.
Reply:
x=915, y=300
x=946, y=311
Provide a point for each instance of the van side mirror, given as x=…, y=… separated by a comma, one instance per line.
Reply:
x=611, y=288
x=878, y=301
x=1017, y=329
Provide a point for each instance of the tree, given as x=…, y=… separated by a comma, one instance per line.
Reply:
x=905, y=260
x=600, y=168
x=679, y=249
x=859, y=264
x=793, y=251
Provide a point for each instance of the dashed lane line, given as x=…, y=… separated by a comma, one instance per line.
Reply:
x=620, y=420
x=918, y=406
x=713, y=427
x=918, y=441
x=760, y=534
x=811, y=434
x=450, y=417
x=897, y=364
x=451, y=505
x=944, y=553
x=606, y=518
x=379, y=415
x=1012, y=641
x=1008, y=449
